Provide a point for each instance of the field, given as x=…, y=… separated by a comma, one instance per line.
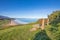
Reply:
x=22, y=32
x=18, y=33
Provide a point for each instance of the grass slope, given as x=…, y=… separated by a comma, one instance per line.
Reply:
x=18, y=33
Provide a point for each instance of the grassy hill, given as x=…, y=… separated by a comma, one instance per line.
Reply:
x=18, y=33
x=22, y=32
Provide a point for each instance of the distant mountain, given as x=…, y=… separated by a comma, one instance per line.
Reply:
x=3, y=17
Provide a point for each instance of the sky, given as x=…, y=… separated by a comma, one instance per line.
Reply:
x=28, y=8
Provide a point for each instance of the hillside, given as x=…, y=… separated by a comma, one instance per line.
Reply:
x=18, y=33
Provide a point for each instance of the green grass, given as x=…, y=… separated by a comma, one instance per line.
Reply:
x=53, y=32
x=18, y=33
x=22, y=32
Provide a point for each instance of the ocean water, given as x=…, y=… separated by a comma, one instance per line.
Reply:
x=25, y=20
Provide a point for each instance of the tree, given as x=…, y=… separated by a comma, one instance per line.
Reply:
x=54, y=18
x=53, y=29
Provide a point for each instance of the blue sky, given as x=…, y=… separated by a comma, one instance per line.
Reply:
x=28, y=8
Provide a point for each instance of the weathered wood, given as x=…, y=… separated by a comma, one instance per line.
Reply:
x=43, y=22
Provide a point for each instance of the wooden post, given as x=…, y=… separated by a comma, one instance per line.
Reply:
x=42, y=26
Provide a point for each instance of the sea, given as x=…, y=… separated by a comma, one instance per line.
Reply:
x=25, y=20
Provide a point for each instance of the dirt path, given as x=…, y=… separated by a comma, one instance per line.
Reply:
x=35, y=27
